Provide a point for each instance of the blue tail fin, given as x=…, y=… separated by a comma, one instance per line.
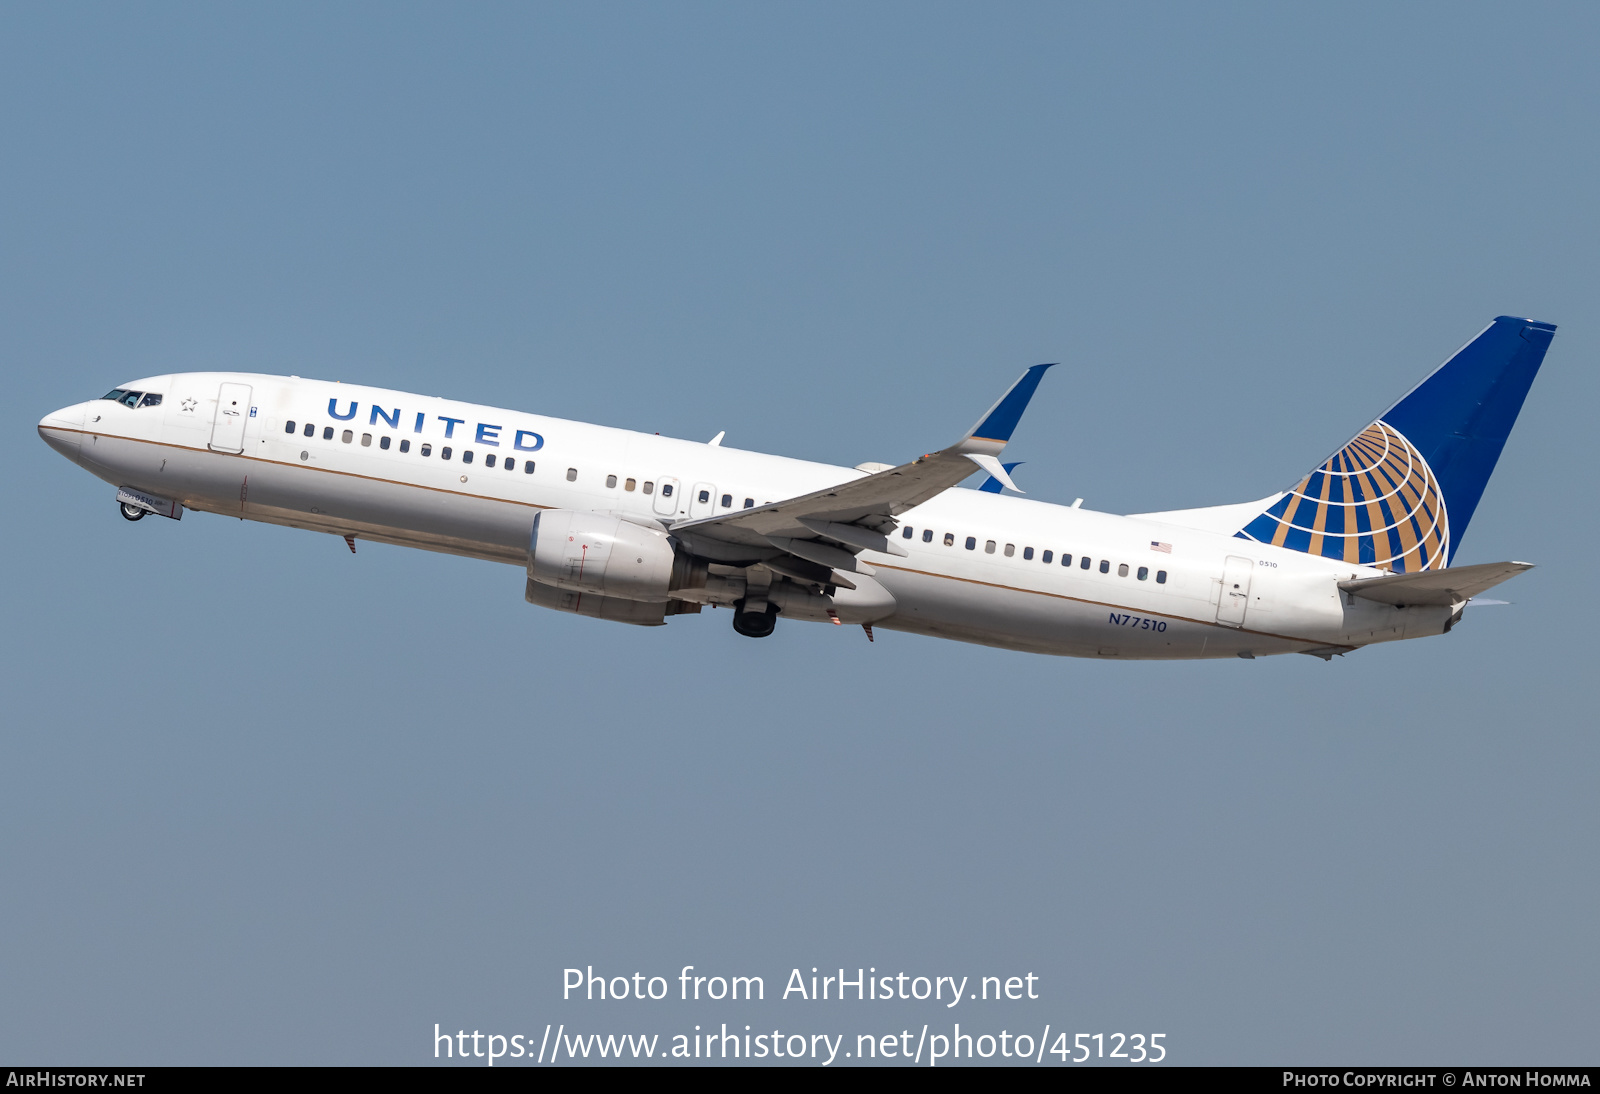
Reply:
x=1400, y=494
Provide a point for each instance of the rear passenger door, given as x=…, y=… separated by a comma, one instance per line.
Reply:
x=1235, y=595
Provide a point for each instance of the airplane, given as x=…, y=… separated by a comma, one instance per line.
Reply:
x=638, y=528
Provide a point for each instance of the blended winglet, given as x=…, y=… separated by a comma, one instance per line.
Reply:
x=1000, y=422
x=992, y=485
x=999, y=473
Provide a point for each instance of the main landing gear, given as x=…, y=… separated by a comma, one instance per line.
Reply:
x=131, y=512
x=754, y=624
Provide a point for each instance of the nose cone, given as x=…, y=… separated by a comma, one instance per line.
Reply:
x=62, y=429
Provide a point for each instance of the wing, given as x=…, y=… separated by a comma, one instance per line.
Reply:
x=828, y=528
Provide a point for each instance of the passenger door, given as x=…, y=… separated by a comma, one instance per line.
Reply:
x=1235, y=596
x=233, y=409
x=667, y=497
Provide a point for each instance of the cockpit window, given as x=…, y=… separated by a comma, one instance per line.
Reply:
x=131, y=398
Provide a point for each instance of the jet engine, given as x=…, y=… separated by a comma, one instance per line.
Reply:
x=600, y=554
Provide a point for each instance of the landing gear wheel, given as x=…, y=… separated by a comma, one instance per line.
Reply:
x=755, y=624
x=132, y=512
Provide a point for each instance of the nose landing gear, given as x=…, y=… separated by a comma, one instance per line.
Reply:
x=131, y=512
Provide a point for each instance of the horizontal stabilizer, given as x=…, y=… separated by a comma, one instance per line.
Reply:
x=1449, y=586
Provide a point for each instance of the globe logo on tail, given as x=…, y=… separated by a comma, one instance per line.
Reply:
x=1375, y=502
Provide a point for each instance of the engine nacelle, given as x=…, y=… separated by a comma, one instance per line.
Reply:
x=601, y=607
x=601, y=554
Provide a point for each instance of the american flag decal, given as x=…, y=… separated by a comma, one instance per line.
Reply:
x=1164, y=548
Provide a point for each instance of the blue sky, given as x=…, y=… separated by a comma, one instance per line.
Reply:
x=262, y=801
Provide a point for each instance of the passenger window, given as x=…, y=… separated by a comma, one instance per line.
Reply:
x=1161, y=577
x=383, y=442
x=908, y=532
x=988, y=548
x=511, y=464
x=749, y=503
x=1105, y=565
x=1011, y=550
x=949, y=539
x=972, y=543
x=1046, y=557
x=1066, y=560
x=405, y=446
x=444, y=453
x=1027, y=554
x=488, y=461
x=611, y=482
x=527, y=467
x=151, y=400
x=666, y=487
x=630, y=485
x=427, y=450
x=366, y=440
x=311, y=430
x=649, y=487
x=327, y=432
x=1085, y=563
x=1144, y=572
x=572, y=474
x=727, y=501
x=705, y=496
x=1122, y=570
x=347, y=436
x=927, y=535
x=289, y=427
x=466, y=455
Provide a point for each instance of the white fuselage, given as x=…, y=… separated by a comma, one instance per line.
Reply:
x=1221, y=596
